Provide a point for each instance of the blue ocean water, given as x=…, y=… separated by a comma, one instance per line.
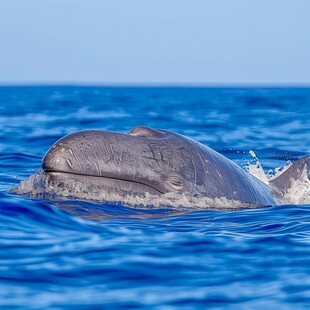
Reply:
x=79, y=255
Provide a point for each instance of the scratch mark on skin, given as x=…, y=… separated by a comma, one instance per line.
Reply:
x=87, y=162
x=136, y=161
x=163, y=160
x=110, y=151
x=102, y=148
x=78, y=161
x=195, y=167
x=108, y=160
x=107, y=152
x=167, y=165
x=121, y=157
x=168, y=147
x=154, y=158
x=203, y=162
x=93, y=164
x=68, y=161
x=97, y=163
x=70, y=151
x=116, y=154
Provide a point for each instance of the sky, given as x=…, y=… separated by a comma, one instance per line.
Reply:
x=158, y=42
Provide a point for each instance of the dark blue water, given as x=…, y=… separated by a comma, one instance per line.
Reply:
x=78, y=255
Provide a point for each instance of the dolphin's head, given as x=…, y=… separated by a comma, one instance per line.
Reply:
x=144, y=160
x=152, y=161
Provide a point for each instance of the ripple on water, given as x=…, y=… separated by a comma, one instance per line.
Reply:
x=57, y=254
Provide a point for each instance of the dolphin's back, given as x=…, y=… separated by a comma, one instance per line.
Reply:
x=223, y=178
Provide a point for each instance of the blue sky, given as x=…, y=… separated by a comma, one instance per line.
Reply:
x=155, y=42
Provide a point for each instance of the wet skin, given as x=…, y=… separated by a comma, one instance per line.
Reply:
x=154, y=161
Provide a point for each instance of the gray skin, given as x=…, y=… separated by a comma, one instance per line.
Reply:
x=154, y=161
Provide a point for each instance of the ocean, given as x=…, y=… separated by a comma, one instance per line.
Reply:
x=79, y=254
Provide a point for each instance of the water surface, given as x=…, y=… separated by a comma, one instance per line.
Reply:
x=55, y=255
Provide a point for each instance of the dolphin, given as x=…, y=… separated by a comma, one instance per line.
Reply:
x=157, y=161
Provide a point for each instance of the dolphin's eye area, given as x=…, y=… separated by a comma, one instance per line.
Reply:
x=175, y=181
x=146, y=132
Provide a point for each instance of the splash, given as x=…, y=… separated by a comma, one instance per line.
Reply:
x=257, y=170
x=299, y=189
x=40, y=185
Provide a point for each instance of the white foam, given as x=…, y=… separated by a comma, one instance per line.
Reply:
x=256, y=169
x=299, y=190
x=40, y=185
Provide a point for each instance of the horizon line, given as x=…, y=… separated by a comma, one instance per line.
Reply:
x=153, y=84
